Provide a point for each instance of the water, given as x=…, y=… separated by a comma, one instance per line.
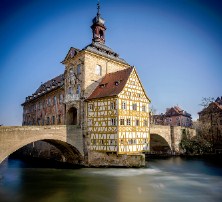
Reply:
x=173, y=179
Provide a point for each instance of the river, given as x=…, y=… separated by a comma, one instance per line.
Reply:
x=173, y=179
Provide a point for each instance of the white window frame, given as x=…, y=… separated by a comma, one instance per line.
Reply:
x=98, y=70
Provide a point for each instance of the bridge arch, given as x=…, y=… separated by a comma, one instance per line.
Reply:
x=67, y=140
x=159, y=144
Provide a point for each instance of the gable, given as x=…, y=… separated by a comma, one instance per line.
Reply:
x=134, y=88
x=71, y=53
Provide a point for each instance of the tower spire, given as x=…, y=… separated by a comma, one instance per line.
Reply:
x=98, y=27
x=98, y=8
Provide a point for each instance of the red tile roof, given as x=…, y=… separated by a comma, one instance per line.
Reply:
x=112, y=84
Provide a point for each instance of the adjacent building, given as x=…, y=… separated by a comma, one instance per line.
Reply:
x=174, y=116
x=211, y=117
x=100, y=93
x=45, y=106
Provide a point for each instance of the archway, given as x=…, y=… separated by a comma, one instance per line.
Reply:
x=159, y=144
x=72, y=116
x=50, y=149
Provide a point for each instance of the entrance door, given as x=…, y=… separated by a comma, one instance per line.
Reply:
x=72, y=116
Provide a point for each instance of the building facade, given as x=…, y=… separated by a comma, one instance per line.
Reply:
x=174, y=116
x=211, y=118
x=101, y=94
x=45, y=106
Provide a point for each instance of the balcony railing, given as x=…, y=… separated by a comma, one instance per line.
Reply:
x=71, y=98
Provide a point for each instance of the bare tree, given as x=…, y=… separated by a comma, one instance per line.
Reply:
x=153, y=110
x=206, y=101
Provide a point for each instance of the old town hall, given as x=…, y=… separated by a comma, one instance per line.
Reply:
x=101, y=94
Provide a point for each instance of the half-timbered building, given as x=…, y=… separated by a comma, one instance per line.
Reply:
x=117, y=113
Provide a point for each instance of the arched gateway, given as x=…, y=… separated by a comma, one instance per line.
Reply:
x=68, y=139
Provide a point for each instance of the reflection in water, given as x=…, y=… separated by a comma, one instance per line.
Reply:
x=173, y=179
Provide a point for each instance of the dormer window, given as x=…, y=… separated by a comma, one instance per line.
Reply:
x=117, y=82
x=102, y=85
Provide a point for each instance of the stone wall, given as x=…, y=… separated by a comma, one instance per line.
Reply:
x=102, y=159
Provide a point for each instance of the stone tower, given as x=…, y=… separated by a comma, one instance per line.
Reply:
x=98, y=27
x=85, y=68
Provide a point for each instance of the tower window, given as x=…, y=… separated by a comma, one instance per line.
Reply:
x=78, y=69
x=98, y=70
x=78, y=90
x=101, y=34
x=70, y=90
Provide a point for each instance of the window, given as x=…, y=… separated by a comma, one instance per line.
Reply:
x=98, y=70
x=145, y=123
x=122, y=122
x=113, y=105
x=54, y=100
x=112, y=142
x=79, y=69
x=71, y=73
x=143, y=108
x=134, y=106
x=61, y=98
x=53, y=119
x=78, y=89
x=70, y=90
x=123, y=105
x=128, y=122
x=47, y=121
x=94, y=141
x=59, y=118
x=49, y=102
x=137, y=122
x=113, y=122
x=91, y=107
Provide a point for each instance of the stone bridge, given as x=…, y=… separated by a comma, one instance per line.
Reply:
x=68, y=139
x=167, y=138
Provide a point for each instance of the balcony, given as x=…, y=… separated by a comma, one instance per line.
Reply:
x=71, y=98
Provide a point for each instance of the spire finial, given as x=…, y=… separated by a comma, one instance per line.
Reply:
x=98, y=8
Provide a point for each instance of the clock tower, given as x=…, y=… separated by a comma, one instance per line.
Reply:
x=98, y=27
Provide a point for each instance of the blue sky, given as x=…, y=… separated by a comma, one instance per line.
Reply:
x=176, y=46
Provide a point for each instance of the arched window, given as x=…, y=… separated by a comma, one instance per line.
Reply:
x=101, y=34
